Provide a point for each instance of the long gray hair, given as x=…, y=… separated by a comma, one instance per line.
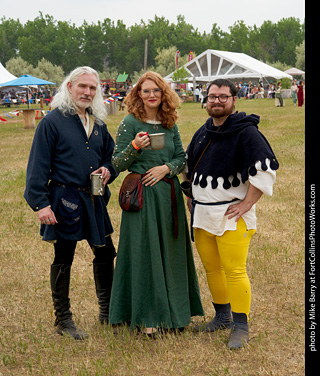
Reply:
x=64, y=101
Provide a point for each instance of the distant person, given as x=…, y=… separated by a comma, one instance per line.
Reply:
x=197, y=93
x=122, y=94
x=294, y=92
x=260, y=92
x=70, y=144
x=253, y=93
x=13, y=94
x=107, y=90
x=278, y=96
x=271, y=91
x=300, y=94
x=47, y=95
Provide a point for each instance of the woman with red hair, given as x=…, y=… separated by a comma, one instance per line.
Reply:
x=155, y=283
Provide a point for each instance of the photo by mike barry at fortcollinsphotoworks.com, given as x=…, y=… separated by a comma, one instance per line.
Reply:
x=311, y=286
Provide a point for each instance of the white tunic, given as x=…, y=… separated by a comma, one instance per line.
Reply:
x=212, y=218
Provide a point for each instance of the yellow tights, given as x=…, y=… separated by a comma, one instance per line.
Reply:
x=224, y=259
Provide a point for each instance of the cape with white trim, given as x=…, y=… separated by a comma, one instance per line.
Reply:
x=235, y=148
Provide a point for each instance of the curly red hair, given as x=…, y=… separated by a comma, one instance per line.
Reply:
x=170, y=101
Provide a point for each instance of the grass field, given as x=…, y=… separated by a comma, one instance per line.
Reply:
x=28, y=342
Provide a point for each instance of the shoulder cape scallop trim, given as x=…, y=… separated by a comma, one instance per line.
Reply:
x=252, y=171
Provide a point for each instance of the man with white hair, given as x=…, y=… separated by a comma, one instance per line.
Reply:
x=70, y=144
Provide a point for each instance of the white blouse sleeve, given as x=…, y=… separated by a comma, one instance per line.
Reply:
x=263, y=180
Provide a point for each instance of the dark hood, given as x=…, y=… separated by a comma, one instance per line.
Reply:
x=234, y=148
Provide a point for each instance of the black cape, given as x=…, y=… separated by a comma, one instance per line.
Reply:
x=235, y=148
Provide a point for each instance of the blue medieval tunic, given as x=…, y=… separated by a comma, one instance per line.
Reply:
x=62, y=157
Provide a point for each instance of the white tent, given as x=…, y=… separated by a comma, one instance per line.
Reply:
x=213, y=64
x=5, y=76
x=295, y=72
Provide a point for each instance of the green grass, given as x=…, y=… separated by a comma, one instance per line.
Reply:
x=28, y=343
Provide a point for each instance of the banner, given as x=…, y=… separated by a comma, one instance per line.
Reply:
x=177, y=57
x=190, y=57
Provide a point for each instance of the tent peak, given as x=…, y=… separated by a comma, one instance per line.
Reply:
x=212, y=64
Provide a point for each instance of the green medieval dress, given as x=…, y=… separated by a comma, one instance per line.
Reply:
x=155, y=282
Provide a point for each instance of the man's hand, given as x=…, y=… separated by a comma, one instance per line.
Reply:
x=46, y=216
x=105, y=174
x=237, y=210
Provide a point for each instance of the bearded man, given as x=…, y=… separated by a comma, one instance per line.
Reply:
x=71, y=143
x=230, y=164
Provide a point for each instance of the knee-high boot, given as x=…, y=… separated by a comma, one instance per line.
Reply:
x=60, y=282
x=103, y=276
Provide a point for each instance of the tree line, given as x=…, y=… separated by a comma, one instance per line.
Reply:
x=108, y=46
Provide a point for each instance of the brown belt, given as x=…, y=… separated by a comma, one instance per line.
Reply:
x=82, y=189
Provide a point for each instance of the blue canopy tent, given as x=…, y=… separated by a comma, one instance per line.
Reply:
x=27, y=80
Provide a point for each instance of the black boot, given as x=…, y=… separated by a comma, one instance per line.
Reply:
x=60, y=281
x=103, y=275
x=239, y=331
x=222, y=319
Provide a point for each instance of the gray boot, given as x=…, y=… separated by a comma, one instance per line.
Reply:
x=60, y=281
x=239, y=331
x=222, y=319
x=103, y=276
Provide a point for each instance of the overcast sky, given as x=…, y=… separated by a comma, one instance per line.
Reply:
x=199, y=13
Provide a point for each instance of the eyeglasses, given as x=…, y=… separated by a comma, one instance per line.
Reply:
x=221, y=98
x=154, y=91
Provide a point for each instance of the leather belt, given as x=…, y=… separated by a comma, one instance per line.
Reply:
x=195, y=202
x=82, y=189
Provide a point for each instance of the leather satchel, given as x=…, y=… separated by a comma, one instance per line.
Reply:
x=130, y=195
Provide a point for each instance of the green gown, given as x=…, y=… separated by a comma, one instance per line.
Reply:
x=155, y=282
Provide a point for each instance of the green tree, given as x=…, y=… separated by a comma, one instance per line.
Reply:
x=289, y=35
x=186, y=38
x=67, y=46
x=215, y=38
x=48, y=71
x=116, y=42
x=36, y=39
x=166, y=59
x=181, y=75
x=300, y=52
x=93, y=46
x=160, y=35
x=17, y=66
x=9, y=32
x=238, y=39
x=58, y=42
x=108, y=45
x=134, y=57
x=263, y=44
x=279, y=65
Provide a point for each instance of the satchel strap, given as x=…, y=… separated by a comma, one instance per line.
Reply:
x=194, y=168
